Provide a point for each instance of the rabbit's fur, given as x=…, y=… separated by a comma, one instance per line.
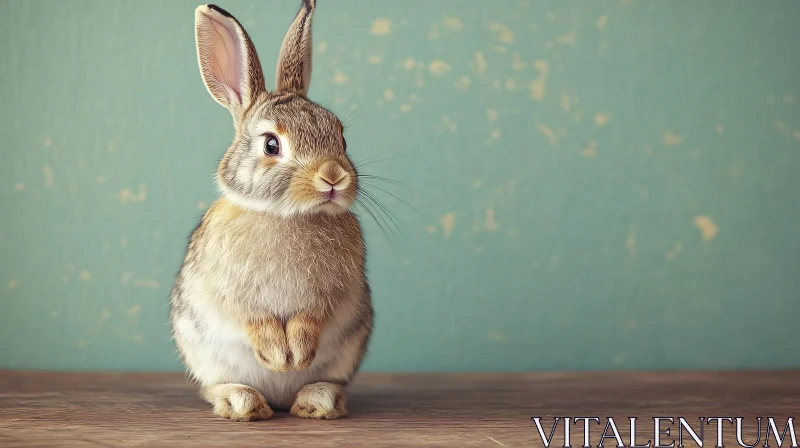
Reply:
x=271, y=308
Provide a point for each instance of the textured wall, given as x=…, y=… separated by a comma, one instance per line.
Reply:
x=600, y=185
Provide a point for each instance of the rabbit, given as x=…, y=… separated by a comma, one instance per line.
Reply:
x=271, y=309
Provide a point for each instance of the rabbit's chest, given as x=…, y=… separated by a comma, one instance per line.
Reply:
x=284, y=270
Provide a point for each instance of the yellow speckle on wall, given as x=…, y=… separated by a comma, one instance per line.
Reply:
x=201, y=205
x=449, y=125
x=105, y=315
x=462, y=83
x=447, y=25
x=13, y=284
x=126, y=278
x=448, y=222
x=19, y=186
x=492, y=114
x=788, y=99
x=125, y=196
x=438, y=67
x=720, y=129
x=381, y=26
x=538, y=85
x=797, y=135
x=374, y=60
x=430, y=229
x=510, y=84
x=782, y=128
x=405, y=108
x=619, y=359
x=136, y=337
x=101, y=179
x=706, y=226
x=86, y=275
x=590, y=150
x=497, y=337
x=601, y=119
x=48, y=176
x=146, y=283
x=670, y=139
x=409, y=63
x=496, y=134
x=601, y=22
x=388, y=94
x=340, y=78
x=550, y=16
x=672, y=254
x=552, y=137
x=569, y=38
x=47, y=142
x=504, y=33
x=452, y=23
x=566, y=104
x=322, y=47
x=489, y=222
x=480, y=63
x=134, y=310
x=630, y=241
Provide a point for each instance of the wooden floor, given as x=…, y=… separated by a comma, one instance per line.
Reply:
x=48, y=409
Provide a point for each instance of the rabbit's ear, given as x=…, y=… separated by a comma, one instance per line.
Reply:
x=294, y=61
x=228, y=60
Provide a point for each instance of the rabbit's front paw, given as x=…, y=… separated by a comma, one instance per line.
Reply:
x=302, y=332
x=270, y=344
x=274, y=357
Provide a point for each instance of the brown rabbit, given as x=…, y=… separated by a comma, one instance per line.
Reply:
x=271, y=308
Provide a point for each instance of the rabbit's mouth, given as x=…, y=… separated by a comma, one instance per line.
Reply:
x=332, y=197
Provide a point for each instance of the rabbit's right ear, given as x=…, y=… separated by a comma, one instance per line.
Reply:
x=228, y=60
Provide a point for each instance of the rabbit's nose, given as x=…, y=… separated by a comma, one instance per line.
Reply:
x=330, y=182
x=331, y=175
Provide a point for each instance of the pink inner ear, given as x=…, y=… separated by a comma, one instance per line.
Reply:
x=227, y=64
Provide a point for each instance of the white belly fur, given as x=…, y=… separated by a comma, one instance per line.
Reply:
x=217, y=351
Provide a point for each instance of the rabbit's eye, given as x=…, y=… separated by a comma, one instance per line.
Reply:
x=272, y=145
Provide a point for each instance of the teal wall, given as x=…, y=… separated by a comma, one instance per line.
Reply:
x=600, y=185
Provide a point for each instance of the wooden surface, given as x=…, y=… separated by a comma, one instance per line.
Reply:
x=73, y=409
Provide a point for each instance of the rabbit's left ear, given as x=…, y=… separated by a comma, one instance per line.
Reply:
x=294, y=60
x=228, y=60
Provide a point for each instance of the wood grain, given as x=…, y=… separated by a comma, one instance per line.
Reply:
x=464, y=410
